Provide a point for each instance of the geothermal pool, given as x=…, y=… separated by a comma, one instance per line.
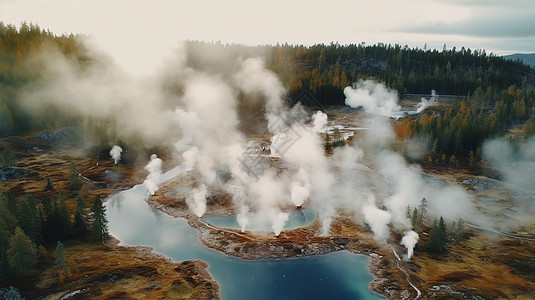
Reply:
x=339, y=275
x=296, y=219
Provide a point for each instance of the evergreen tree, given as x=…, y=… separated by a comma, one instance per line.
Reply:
x=79, y=225
x=30, y=221
x=414, y=218
x=21, y=254
x=49, y=186
x=4, y=265
x=8, y=223
x=60, y=258
x=442, y=234
x=436, y=241
x=458, y=231
x=12, y=205
x=100, y=223
x=58, y=221
x=433, y=242
x=75, y=183
x=422, y=210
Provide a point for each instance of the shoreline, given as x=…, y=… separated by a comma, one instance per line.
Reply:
x=388, y=281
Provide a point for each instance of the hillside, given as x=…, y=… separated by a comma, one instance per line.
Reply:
x=528, y=59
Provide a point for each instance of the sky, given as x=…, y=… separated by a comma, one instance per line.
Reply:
x=140, y=34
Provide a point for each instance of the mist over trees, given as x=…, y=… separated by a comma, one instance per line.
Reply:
x=492, y=85
x=21, y=64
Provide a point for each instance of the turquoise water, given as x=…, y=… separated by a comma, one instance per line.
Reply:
x=339, y=275
x=297, y=219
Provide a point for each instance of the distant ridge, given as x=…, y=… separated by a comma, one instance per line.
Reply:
x=528, y=59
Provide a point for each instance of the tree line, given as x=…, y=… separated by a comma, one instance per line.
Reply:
x=498, y=92
x=459, y=129
x=21, y=64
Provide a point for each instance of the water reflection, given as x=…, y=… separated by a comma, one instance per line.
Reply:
x=297, y=219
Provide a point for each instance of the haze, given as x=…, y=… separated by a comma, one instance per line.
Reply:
x=139, y=34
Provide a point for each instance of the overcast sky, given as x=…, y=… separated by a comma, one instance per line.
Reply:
x=140, y=33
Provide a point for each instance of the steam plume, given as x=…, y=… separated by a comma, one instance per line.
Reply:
x=115, y=153
x=253, y=78
x=102, y=93
x=373, y=97
x=409, y=240
x=425, y=103
x=196, y=200
x=300, y=187
x=279, y=220
x=378, y=220
x=242, y=218
x=154, y=167
x=515, y=160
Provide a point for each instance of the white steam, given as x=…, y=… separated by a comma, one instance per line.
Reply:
x=377, y=219
x=243, y=218
x=409, y=240
x=373, y=97
x=154, y=167
x=103, y=97
x=200, y=116
x=196, y=200
x=319, y=120
x=515, y=160
x=253, y=78
x=300, y=187
x=190, y=158
x=279, y=220
x=115, y=153
x=425, y=103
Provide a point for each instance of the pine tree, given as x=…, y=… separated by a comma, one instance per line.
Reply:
x=422, y=209
x=49, y=186
x=75, y=183
x=60, y=258
x=12, y=205
x=443, y=238
x=100, y=223
x=414, y=218
x=433, y=243
x=21, y=254
x=458, y=231
x=30, y=221
x=436, y=241
x=4, y=265
x=58, y=223
x=8, y=222
x=79, y=225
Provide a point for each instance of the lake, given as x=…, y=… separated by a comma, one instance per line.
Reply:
x=296, y=219
x=338, y=275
